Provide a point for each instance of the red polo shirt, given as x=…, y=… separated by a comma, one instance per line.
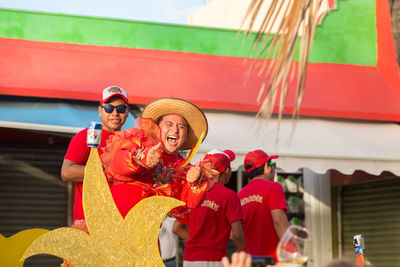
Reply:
x=79, y=152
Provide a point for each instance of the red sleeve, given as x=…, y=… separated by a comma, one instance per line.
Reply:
x=276, y=197
x=118, y=155
x=233, y=209
x=78, y=151
x=184, y=219
x=125, y=154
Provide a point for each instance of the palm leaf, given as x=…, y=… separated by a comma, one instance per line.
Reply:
x=285, y=55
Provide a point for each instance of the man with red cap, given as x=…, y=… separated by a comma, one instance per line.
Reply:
x=263, y=204
x=113, y=111
x=217, y=219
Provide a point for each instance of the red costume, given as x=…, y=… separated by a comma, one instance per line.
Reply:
x=124, y=161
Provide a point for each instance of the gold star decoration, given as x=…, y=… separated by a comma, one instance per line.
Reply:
x=12, y=248
x=112, y=240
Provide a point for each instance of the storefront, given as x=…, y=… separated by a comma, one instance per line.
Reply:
x=368, y=206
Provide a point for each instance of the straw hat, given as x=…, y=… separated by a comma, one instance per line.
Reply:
x=192, y=114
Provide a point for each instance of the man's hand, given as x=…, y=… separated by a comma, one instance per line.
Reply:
x=193, y=173
x=239, y=259
x=153, y=156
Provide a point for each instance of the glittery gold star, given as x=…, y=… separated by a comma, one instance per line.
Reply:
x=112, y=240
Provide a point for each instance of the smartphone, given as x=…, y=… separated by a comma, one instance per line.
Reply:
x=262, y=261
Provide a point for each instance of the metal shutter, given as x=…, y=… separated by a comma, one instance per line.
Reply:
x=373, y=210
x=32, y=194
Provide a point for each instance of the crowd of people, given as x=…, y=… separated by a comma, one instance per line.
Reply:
x=144, y=160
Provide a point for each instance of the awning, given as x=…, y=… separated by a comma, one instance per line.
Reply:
x=319, y=145
x=50, y=116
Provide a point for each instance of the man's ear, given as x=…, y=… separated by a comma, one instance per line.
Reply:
x=225, y=176
x=99, y=109
x=267, y=168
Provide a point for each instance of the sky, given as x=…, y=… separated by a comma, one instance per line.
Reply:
x=166, y=11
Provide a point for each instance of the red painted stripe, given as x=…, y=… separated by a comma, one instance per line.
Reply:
x=387, y=65
x=57, y=70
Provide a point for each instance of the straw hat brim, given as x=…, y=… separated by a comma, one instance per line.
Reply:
x=191, y=113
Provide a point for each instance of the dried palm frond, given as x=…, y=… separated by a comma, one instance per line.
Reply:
x=285, y=56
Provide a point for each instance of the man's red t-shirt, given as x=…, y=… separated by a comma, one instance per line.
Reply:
x=79, y=152
x=210, y=225
x=258, y=198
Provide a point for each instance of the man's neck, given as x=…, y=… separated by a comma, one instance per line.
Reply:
x=111, y=130
x=169, y=153
x=262, y=177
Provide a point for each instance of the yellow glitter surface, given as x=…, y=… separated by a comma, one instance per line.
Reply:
x=12, y=248
x=113, y=241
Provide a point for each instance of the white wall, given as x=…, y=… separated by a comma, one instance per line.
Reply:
x=230, y=14
x=224, y=14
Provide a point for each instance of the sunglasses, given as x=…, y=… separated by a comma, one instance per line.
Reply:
x=110, y=108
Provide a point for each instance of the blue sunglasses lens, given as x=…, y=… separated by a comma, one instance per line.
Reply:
x=110, y=108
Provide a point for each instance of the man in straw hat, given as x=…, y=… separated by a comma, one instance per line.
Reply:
x=144, y=161
x=217, y=219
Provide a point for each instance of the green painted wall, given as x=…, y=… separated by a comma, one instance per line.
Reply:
x=348, y=35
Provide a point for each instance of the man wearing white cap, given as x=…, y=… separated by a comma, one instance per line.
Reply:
x=113, y=111
x=217, y=219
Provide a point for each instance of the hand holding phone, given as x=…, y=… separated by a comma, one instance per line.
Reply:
x=262, y=261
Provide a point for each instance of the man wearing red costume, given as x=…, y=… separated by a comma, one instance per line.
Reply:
x=144, y=161
x=217, y=219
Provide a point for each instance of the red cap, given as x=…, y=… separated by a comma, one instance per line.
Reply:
x=220, y=160
x=113, y=91
x=230, y=154
x=256, y=158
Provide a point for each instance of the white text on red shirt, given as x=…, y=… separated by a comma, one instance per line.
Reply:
x=253, y=198
x=210, y=204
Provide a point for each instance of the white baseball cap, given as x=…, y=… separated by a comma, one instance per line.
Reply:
x=113, y=91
